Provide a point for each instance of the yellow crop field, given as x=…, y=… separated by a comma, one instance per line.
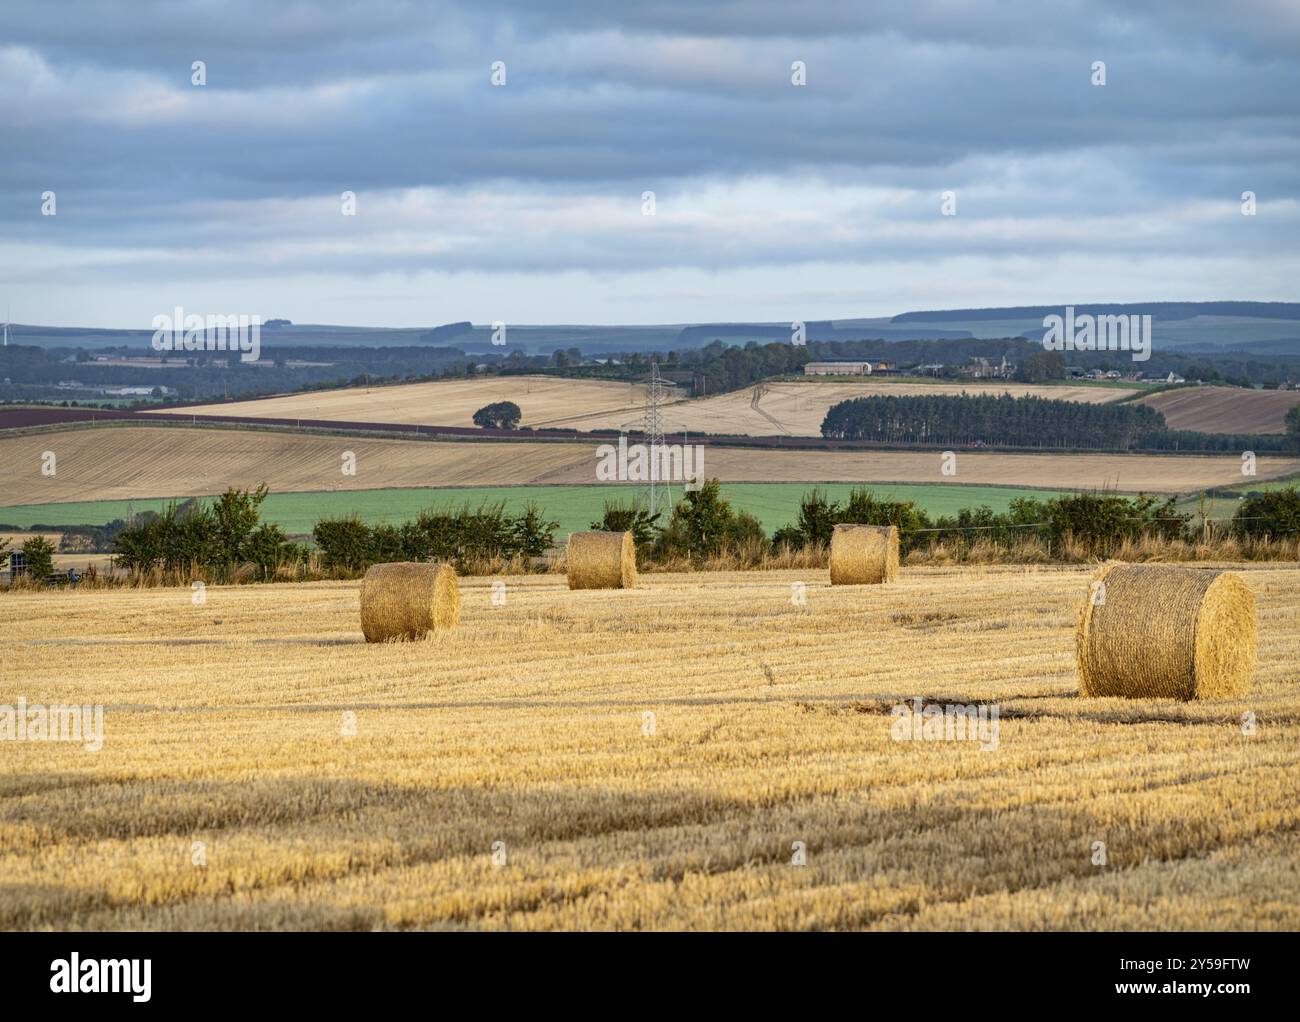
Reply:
x=137, y=462
x=797, y=409
x=700, y=752
x=541, y=399
x=782, y=408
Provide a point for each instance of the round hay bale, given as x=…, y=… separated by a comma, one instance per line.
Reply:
x=408, y=600
x=1165, y=631
x=601, y=560
x=864, y=554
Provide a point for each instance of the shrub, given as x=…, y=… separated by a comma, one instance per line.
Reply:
x=141, y=547
x=629, y=518
x=194, y=536
x=704, y=526
x=235, y=515
x=1273, y=513
x=863, y=508
x=532, y=535
x=818, y=517
x=387, y=543
x=702, y=522
x=344, y=542
x=266, y=547
x=39, y=553
x=816, y=520
x=1102, y=520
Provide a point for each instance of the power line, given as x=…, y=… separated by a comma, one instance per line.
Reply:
x=658, y=493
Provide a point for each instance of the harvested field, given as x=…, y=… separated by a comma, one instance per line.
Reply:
x=795, y=409
x=137, y=462
x=327, y=783
x=541, y=399
x=1225, y=409
x=17, y=539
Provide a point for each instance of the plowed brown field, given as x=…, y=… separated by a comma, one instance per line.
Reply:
x=1225, y=409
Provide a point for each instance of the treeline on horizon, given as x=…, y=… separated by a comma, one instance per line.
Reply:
x=225, y=541
x=717, y=367
x=1005, y=421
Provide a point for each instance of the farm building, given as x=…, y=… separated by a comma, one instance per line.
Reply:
x=846, y=368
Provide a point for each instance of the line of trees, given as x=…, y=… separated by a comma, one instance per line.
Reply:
x=217, y=539
x=1096, y=521
x=1014, y=421
x=224, y=540
x=471, y=538
x=704, y=525
x=1029, y=421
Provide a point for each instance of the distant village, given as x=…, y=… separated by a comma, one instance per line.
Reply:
x=976, y=368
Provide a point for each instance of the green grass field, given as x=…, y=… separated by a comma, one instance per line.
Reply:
x=575, y=507
x=1285, y=483
x=1225, y=504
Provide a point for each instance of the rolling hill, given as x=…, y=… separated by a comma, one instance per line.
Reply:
x=1225, y=409
x=794, y=409
x=132, y=462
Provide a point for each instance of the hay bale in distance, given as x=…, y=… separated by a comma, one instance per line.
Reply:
x=864, y=554
x=408, y=600
x=601, y=560
x=1166, y=631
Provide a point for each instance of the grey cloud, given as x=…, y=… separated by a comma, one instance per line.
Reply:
x=308, y=99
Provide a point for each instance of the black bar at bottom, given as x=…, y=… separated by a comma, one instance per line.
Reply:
x=335, y=972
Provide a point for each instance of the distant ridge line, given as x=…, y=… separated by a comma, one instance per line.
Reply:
x=1162, y=310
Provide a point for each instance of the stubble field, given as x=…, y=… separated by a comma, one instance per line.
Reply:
x=131, y=463
x=506, y=775
x=798, y=408
x=790, y=408
x=541, y=399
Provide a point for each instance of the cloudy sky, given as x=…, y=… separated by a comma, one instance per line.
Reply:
x=523, y=202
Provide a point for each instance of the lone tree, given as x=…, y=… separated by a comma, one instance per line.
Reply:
x=1293, y=425
x=498, y=415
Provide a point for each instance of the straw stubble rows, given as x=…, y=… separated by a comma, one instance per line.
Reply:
x=140, y=462
x=526, y=726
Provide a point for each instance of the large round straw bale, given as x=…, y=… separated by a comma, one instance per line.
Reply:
x=408, y=600
x=864, y=554
x=1165, y=631
x=601, y=560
